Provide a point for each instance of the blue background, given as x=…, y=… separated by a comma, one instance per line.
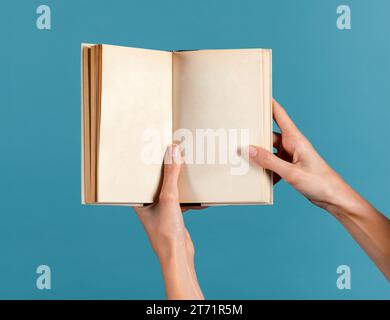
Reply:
x=334, y=84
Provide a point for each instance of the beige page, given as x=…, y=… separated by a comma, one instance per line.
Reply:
x=136, y=97
x=224, y=89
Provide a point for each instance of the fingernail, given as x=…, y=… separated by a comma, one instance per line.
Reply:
x=175, y=151
x=252, y=151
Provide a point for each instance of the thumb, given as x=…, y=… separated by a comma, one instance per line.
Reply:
x=268, y=160
x=172, y=164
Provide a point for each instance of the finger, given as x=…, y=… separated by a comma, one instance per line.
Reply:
x=277, y=139
x=186, y=208
x=139, y=208
x=268, y=160
x=142, y=213
x=282, y=119
x=172, y=164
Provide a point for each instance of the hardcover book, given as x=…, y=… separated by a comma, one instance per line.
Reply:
x=212, y=103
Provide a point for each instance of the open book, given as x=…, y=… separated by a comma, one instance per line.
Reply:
x=212, y=103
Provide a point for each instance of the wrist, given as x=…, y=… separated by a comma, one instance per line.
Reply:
x=179, y=275
x=176, y=262
x=345, y=201
x=172, y=251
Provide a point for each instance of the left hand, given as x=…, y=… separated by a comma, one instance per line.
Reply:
x=163, y=221
x=170, y=240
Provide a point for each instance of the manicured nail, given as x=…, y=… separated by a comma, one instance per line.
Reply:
x=252, y=151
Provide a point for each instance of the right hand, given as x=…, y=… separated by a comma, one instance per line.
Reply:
x=298, y=163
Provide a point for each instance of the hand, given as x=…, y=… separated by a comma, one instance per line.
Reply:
x=170, y=240
x=298, y=163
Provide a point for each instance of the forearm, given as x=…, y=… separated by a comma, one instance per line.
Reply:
x=369, y=227
x=179, y=276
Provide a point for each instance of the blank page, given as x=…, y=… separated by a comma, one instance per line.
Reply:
x=223, y=89
x=136, y=99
